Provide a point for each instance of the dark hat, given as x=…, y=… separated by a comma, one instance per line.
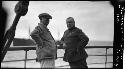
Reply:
x=46, y=15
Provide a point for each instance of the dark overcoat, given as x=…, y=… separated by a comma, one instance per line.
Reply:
x=75, y=41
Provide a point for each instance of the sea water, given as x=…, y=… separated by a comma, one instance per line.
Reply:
x=92, y=61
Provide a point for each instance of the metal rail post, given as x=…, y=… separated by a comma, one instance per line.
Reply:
x=25, y=58
x=106, y=58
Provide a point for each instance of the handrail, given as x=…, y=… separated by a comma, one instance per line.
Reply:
x=27, y=48
x=34, y=48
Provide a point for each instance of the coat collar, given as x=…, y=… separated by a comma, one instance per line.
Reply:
x=44, y=26
x=72, y=29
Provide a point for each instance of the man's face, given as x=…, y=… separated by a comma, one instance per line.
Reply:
x=70, y=23
x=45, y=21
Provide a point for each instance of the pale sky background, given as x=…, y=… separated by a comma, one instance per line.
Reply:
x=96, y=19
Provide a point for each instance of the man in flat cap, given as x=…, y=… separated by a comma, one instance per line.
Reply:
x=46, y=48
x=74, y=42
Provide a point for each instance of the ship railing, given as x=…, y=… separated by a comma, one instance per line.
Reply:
x=27, y=48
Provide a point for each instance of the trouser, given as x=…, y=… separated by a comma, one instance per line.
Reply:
x=47, y=63
x=79, y=64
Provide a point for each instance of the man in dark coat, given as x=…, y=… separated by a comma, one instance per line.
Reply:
x=74, y=41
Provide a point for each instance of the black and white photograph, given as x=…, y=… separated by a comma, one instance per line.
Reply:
x=57, y=34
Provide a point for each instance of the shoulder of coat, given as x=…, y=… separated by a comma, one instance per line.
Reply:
x=66, y=31
x=78, y=29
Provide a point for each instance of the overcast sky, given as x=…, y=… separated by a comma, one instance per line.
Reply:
x=96, y=19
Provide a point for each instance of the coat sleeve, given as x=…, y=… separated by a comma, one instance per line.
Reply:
x=83, y=38
x=35, y=35
x=62, y=39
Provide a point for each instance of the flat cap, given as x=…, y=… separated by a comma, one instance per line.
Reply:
x=46, y=15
